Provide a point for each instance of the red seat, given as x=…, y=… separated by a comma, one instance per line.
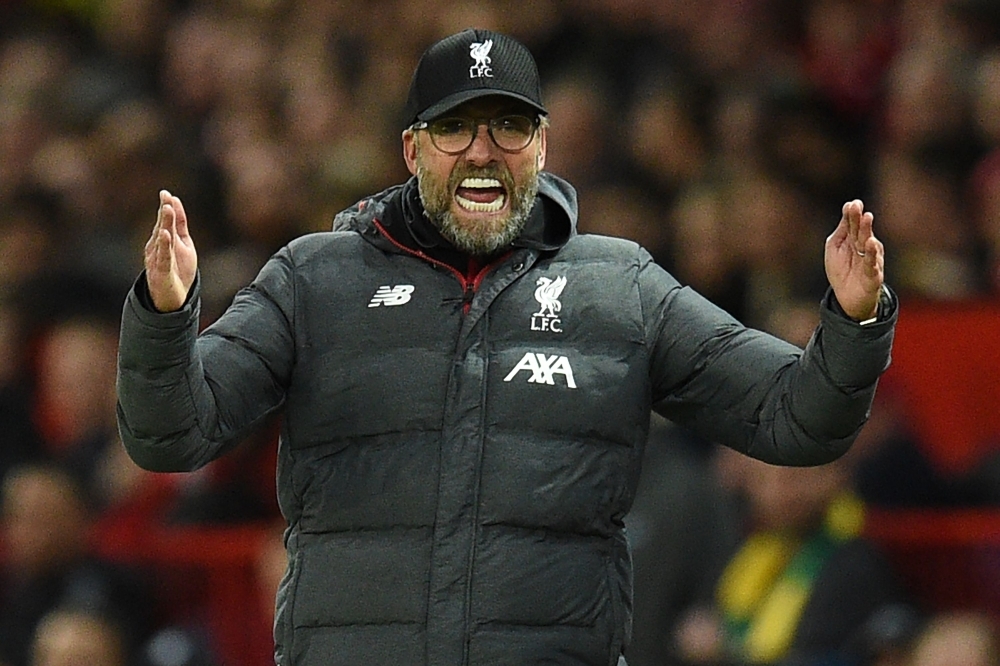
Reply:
x=946, y=366
x=948, y=559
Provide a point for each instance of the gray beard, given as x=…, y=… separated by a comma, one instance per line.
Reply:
x=476, y=241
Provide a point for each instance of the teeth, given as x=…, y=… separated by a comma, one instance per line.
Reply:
x=481, y=207
x=473, y=183
x=481, y=182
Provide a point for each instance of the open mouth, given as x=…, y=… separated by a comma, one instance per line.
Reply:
x=481, y=195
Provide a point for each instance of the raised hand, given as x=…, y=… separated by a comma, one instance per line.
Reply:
x=855, y=262
x=170, y=258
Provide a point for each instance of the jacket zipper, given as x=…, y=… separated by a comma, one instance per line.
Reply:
x=470, y=282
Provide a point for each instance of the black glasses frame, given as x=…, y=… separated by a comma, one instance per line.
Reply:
x=490, y=123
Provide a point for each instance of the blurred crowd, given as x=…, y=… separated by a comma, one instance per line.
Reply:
x=724, y=135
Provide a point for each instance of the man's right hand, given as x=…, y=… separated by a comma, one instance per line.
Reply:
x=170, y=258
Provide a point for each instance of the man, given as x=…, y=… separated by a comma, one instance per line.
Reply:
x=70, y=636
x=44, y=523
x=802, y=583
x=466, y=386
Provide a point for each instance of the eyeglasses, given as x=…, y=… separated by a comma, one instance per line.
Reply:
x=454, y=135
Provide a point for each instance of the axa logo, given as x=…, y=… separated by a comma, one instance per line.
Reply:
x=543, y=369
x=386, y=295
x=480, y=52
x=547, y=294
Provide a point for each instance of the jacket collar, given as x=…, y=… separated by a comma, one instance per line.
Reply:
x=399, y=212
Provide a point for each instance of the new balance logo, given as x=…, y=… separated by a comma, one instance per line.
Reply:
x=543, y=368
x=387, y=295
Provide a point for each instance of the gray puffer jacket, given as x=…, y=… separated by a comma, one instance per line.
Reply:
x=458, y=453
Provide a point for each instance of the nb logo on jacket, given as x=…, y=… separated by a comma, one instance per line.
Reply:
x=387, y=295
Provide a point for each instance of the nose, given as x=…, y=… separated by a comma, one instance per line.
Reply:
x=481, y=151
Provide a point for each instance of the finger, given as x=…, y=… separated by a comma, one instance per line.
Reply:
x=159, y=247
x=158, y=224
x=867, y=245
x=164, y=199
x=181, y=217
x=852, y=211
x=872, y=263
x=158, y=256
x=170, y=220
x=163, y=254
x=865, y=232
x=874, y=255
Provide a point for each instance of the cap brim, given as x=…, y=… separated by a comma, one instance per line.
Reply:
x=458, y=98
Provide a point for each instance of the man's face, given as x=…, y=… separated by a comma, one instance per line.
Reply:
x=480, y=198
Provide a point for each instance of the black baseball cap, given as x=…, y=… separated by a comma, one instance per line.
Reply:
x=470, y=64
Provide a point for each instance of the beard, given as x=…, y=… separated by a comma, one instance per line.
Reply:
x=480, y=237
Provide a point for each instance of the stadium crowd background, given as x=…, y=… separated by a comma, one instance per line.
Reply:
x=723, y=135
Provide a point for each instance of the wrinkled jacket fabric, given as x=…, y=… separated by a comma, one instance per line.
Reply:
x=457, y=453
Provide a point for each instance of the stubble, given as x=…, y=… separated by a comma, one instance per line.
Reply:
x=478, y=237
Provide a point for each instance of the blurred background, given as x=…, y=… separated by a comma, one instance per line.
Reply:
x=723, y=135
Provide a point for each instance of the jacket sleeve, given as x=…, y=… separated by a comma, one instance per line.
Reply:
x=751, y=391
x=184, y=399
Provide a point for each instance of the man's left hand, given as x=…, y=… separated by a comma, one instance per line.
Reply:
x=855, y=262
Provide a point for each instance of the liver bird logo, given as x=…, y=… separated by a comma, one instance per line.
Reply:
x=547, y=295
x=480, y=52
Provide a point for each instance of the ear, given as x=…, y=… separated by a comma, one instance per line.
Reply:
x=410, y=150
x=543, y=142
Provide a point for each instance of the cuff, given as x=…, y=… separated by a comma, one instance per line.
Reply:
x=888, y=303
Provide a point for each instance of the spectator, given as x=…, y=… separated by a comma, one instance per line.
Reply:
x=681, y=528
x=74, y=404
x=804, y=580
x=957, y=638
x=70, y=637
x=45, y=524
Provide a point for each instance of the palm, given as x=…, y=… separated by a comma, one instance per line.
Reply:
x=170, y=258
x=855, y=262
